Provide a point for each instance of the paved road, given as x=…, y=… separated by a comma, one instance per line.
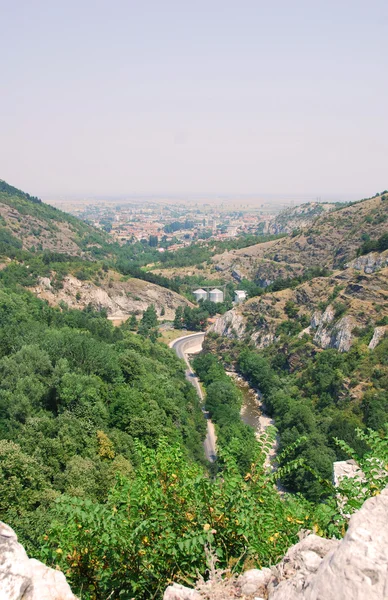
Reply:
x=191, y=344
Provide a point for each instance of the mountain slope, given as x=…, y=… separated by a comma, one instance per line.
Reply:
x=297, y=217
x=36, y=225
x=331, y=241
x=332, y=310
x=119, y=296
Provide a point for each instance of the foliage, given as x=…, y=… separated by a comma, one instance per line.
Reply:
x=75, y=395
x=223, y=401
x=155, y=526
x=309, y=393
x=378, y=245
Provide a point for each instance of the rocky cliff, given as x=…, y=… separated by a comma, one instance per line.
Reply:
x=23, y=578
x=335, y=309
x=119, y=296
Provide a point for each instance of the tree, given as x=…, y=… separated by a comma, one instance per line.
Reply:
x=133, y=322
x=178, y=320
x=149, y=322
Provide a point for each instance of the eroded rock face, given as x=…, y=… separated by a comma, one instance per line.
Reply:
x=119, y=298
x=231, y=325
x=23, y=578
x=329, y=335
x=180, y=592
x=370, y=263
x=300, y=562
x=357, y=569
x=378, y=335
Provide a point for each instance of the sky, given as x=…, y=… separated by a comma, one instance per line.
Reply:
x=197, y=97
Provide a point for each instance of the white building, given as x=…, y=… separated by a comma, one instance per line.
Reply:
x=239, y=296
x=216, y=295
x=200, y=295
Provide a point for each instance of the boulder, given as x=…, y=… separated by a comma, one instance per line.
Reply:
x=180, y=592
x=354, y=568
x=23, y=578
x=254, y=582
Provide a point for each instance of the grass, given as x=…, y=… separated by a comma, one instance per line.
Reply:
x=168, y=336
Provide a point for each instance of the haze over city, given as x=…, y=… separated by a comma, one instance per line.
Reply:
x=205, y=98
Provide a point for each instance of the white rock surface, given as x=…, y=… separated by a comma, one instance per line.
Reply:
x=378, y=335
x=23, y=578
x=329, y=335
x=300, y=562
x=254, y=581
x=231, y=325
x=357, y=568
x=345, y=468
x=180, y=592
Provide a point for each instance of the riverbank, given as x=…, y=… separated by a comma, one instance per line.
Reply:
x=253, y=413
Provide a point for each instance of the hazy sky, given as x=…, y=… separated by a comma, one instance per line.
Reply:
x=218, y=96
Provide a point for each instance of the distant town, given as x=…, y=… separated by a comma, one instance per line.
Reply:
x=174, y=225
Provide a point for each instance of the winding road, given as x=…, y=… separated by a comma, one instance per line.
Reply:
x=192, y=344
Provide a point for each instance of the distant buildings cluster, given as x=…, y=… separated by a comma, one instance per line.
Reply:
x=217, y=295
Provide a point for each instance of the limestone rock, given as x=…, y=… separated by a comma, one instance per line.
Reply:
x=22, y=578
x=378, y=335
x=180, y=592
x=357, y=569
x=231, y=325
x=328, y=335
x=345, y=468
x=370, y=263
x=254, y=581
x=300, y=562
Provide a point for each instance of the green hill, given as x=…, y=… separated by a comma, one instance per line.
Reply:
x=28, y=223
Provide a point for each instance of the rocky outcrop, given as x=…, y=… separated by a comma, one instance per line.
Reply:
x=345, y=469
x=337, y=336
x=262, y=339
x=354, y=568
x=378, y=335
x=370, y=263
x=119, y=298
x=180, y=592
x=230, y=325
x=23, y=578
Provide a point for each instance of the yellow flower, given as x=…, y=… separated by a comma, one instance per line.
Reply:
x=206, y=527
x=59, y=551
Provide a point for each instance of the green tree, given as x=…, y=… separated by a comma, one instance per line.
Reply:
x=178, y=320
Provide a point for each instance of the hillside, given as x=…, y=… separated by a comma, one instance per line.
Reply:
x=297, y=217
x=28, y=223
x=102, y=469
x=330, y=308
x=331, y=241
x=319, y=236
x=119, y=296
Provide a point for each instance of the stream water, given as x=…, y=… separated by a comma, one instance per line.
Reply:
x=252, y=411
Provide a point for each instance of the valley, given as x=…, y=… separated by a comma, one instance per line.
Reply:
x=106, y=431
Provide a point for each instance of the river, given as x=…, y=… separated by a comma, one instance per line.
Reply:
x=253, y=412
